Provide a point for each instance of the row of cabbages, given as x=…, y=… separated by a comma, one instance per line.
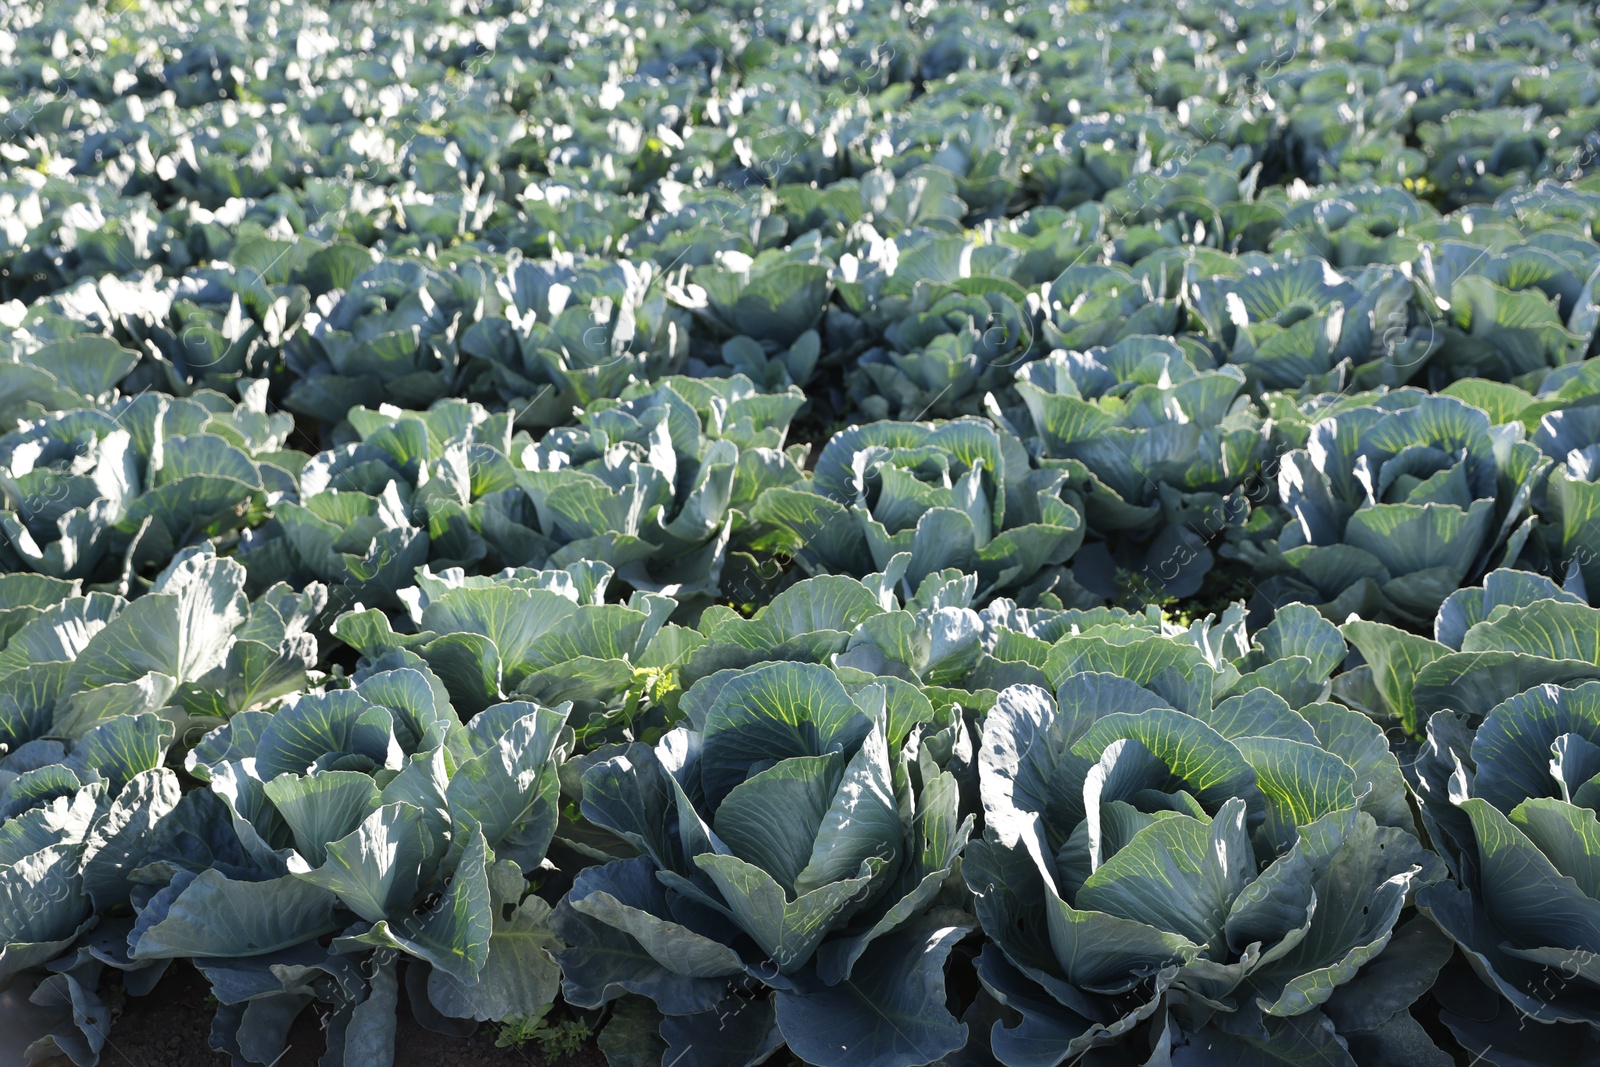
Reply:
x=882, y=307
x=792, y=829
x=1121, y=470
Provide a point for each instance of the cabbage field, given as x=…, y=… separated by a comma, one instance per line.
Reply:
x=865, y=535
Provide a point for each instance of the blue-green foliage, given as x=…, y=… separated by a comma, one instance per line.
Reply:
x=891, y=535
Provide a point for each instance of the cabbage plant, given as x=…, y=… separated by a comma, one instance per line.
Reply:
x=810, y=621
x=1569, y=500
x=1304, y=325
x=60, y=375
x=212, y=325
x=417, y=486
x=1092, y=305
x=193, y=650
x=653, y=485
x=565, y=337
x=349, y=830
x=654, y=488
x=939, y=319
x=927, y=634
x=1511, y=312
x=76, y=818
x=791, y=857
x=391, y=334
x=1510, y=799
x=1039, y=244
x=1397, y=503
x=96, y=494
x=772, y=298
x=952, y=494
x=1154, y=450
x=1354, y=226
x=1537, y=637
x=1153, y=880
x=953, y=344
x=541, y=635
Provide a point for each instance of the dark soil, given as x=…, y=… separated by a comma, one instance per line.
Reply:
x=171, y=1026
